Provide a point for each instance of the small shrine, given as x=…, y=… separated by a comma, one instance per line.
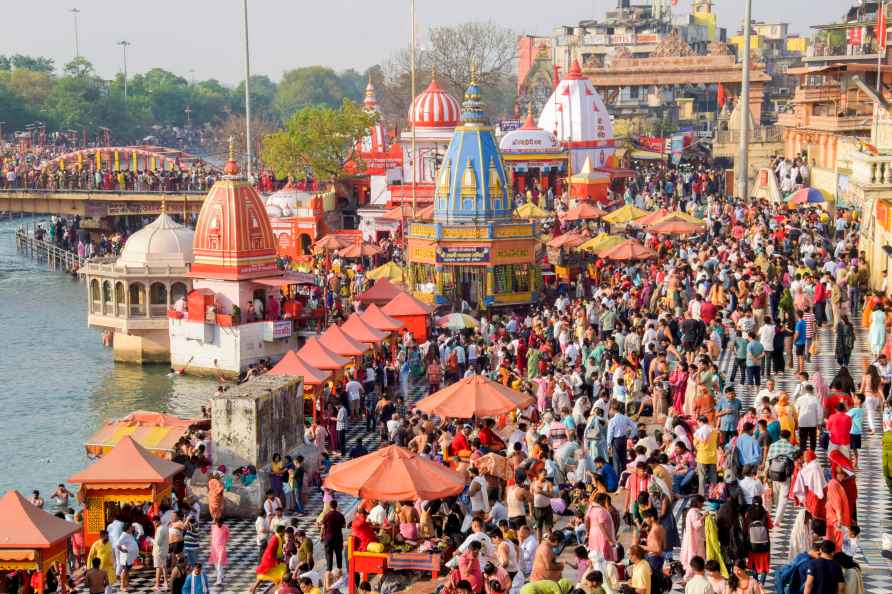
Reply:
x=474, y=250
x=535, y=159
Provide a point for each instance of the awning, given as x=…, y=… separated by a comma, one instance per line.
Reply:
x=645, y=155
x=289, y=278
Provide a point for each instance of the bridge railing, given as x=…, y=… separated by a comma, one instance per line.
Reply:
x=56, y=257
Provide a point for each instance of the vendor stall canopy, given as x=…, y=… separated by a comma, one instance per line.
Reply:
x=158, y=433
x=26, y=526
x=128, y=462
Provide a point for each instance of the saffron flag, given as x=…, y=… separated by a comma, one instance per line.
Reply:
x=881, y=27
x=720, y=96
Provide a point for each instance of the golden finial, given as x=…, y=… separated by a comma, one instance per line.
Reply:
x=231, y=147
x=163, y=206
x=473, y=72
x=433, y=72
x=530, y=109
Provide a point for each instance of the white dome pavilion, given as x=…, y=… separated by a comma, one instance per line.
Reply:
x=163, y=242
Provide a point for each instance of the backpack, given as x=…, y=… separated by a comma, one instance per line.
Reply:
x=780, y=469
x=758, y=536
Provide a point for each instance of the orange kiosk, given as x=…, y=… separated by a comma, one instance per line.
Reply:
x=415, y=315
x=360, y=330
x=382, y=292
x=127, y=474
x=314, y=379
x=33, y=540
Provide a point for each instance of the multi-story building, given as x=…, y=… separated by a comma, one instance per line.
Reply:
x=778, y=50
x=631, y=30
x=830, y=114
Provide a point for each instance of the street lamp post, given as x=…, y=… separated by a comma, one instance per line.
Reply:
x=77, y=50
x=124, y=44
x=247, y=90
x=743, y=181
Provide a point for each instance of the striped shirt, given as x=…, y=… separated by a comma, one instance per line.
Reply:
x=781, y=447
x=810, y=324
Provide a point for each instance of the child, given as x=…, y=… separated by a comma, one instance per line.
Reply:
x=577, y=525
x=857, y=415
x=850, y=544
x=582, y=565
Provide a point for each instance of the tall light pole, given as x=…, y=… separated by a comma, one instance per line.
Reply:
x=743, y=182
x=124, y=44
x=412, y=119
x=77, y=50
x=247, y=90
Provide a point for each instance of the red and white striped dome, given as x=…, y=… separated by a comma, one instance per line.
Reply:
x=435, y=108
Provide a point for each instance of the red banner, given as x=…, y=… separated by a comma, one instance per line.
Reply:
x=881, y=27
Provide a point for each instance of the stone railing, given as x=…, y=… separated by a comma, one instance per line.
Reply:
x=761, y=134
x=872, y=169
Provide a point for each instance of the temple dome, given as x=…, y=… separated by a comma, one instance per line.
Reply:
x=471, y=185
x=576, y=114
x=435, y=108
x=529, y=138
x=233, y=236
x=163, y=242
x=286, y=202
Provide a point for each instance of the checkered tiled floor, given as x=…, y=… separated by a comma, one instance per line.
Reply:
x=874, y=499
x=242, y=550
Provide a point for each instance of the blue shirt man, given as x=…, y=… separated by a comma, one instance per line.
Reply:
x=729, y=411
x=748, y=446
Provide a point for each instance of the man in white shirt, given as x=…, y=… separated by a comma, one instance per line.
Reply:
x=769, y=391
x=698, y=584
x=810, y=414
x=517, y=436
x=478, y=533
x=341, y=427
x=750, y=486
x=126, y=551
x=766, y=337
x=528, y=546
x=354, y=394
x=478, y=493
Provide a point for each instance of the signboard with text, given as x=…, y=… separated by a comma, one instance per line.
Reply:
x=277, y=330
x=462, y=255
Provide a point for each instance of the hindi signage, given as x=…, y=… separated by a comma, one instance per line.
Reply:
x=462, y=255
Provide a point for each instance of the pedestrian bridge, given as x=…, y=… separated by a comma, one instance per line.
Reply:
x=95, y=204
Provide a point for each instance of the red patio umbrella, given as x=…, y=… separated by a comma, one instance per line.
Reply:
x=474, y=396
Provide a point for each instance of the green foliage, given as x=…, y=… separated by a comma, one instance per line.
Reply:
x=320, y=138
x=33, y=63
x=313, y=85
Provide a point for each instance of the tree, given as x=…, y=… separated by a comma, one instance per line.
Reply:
x=318, y=137
x=15, y=112
x=312, y=85
x=80, y=68
x=33, y=86
x=234, y=126
x=263, y=96
x=36, y=64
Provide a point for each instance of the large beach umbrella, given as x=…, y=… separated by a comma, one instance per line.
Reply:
x=394, y=474
x=584, y=211
x=390, y=270
x=674, y=227
x=568, y=240
x=474, y=396
x=330, y=243
x=600, y=242
x=360, y=250
x=628, y=250
x=677, y=215
x=808, y=196
x=528, y=210
x=653, y=217
x=625, y=214
x=457, y=321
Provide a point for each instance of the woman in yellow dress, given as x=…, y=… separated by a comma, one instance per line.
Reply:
x=786, y=415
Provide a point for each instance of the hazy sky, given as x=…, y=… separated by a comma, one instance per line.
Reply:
x=205, y=35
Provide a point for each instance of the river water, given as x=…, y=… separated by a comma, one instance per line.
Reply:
x=57, y=382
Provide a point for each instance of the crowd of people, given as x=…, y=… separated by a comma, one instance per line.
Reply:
x=682, y=406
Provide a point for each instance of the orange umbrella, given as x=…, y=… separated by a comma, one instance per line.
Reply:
x=653, y=217
x=584, y=211
x=360, y=250
x=330, y=243
x=394, y=474
x=474, y=396
x=674, y=227
x=629, y=250
x=569, y=240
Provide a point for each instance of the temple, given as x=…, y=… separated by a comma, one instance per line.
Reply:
x=534, y=157
x=236, y=314
x=474, y=250
x=577, y=116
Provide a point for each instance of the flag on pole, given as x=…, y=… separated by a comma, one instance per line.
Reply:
x=881, y=27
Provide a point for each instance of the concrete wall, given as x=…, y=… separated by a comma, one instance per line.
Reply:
x=150, y=346
x=253, y=421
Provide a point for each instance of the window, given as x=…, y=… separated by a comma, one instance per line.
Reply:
x=95, y=297
x=120, y=299
x=107, y=307
x=178, y=291
x=137, y=299
x=511, y=278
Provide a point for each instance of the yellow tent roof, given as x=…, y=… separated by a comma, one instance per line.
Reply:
x=624, y=215
x=681, y=216
x=600, y=242
x=390, y=271
x=528, y=210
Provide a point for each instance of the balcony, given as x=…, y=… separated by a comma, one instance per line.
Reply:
x=788, y=120
x=872, y=170
x=817, y=94
x=841, y=53
x=825, y=123
x=760, y=134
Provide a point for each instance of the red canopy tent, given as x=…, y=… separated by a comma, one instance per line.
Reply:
x=337, y=341
x=356, y=328
x=32, y=539
x=317, y=355
x=314, y=379
x=381, y=293
x=376, y=318
x=413, y=313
